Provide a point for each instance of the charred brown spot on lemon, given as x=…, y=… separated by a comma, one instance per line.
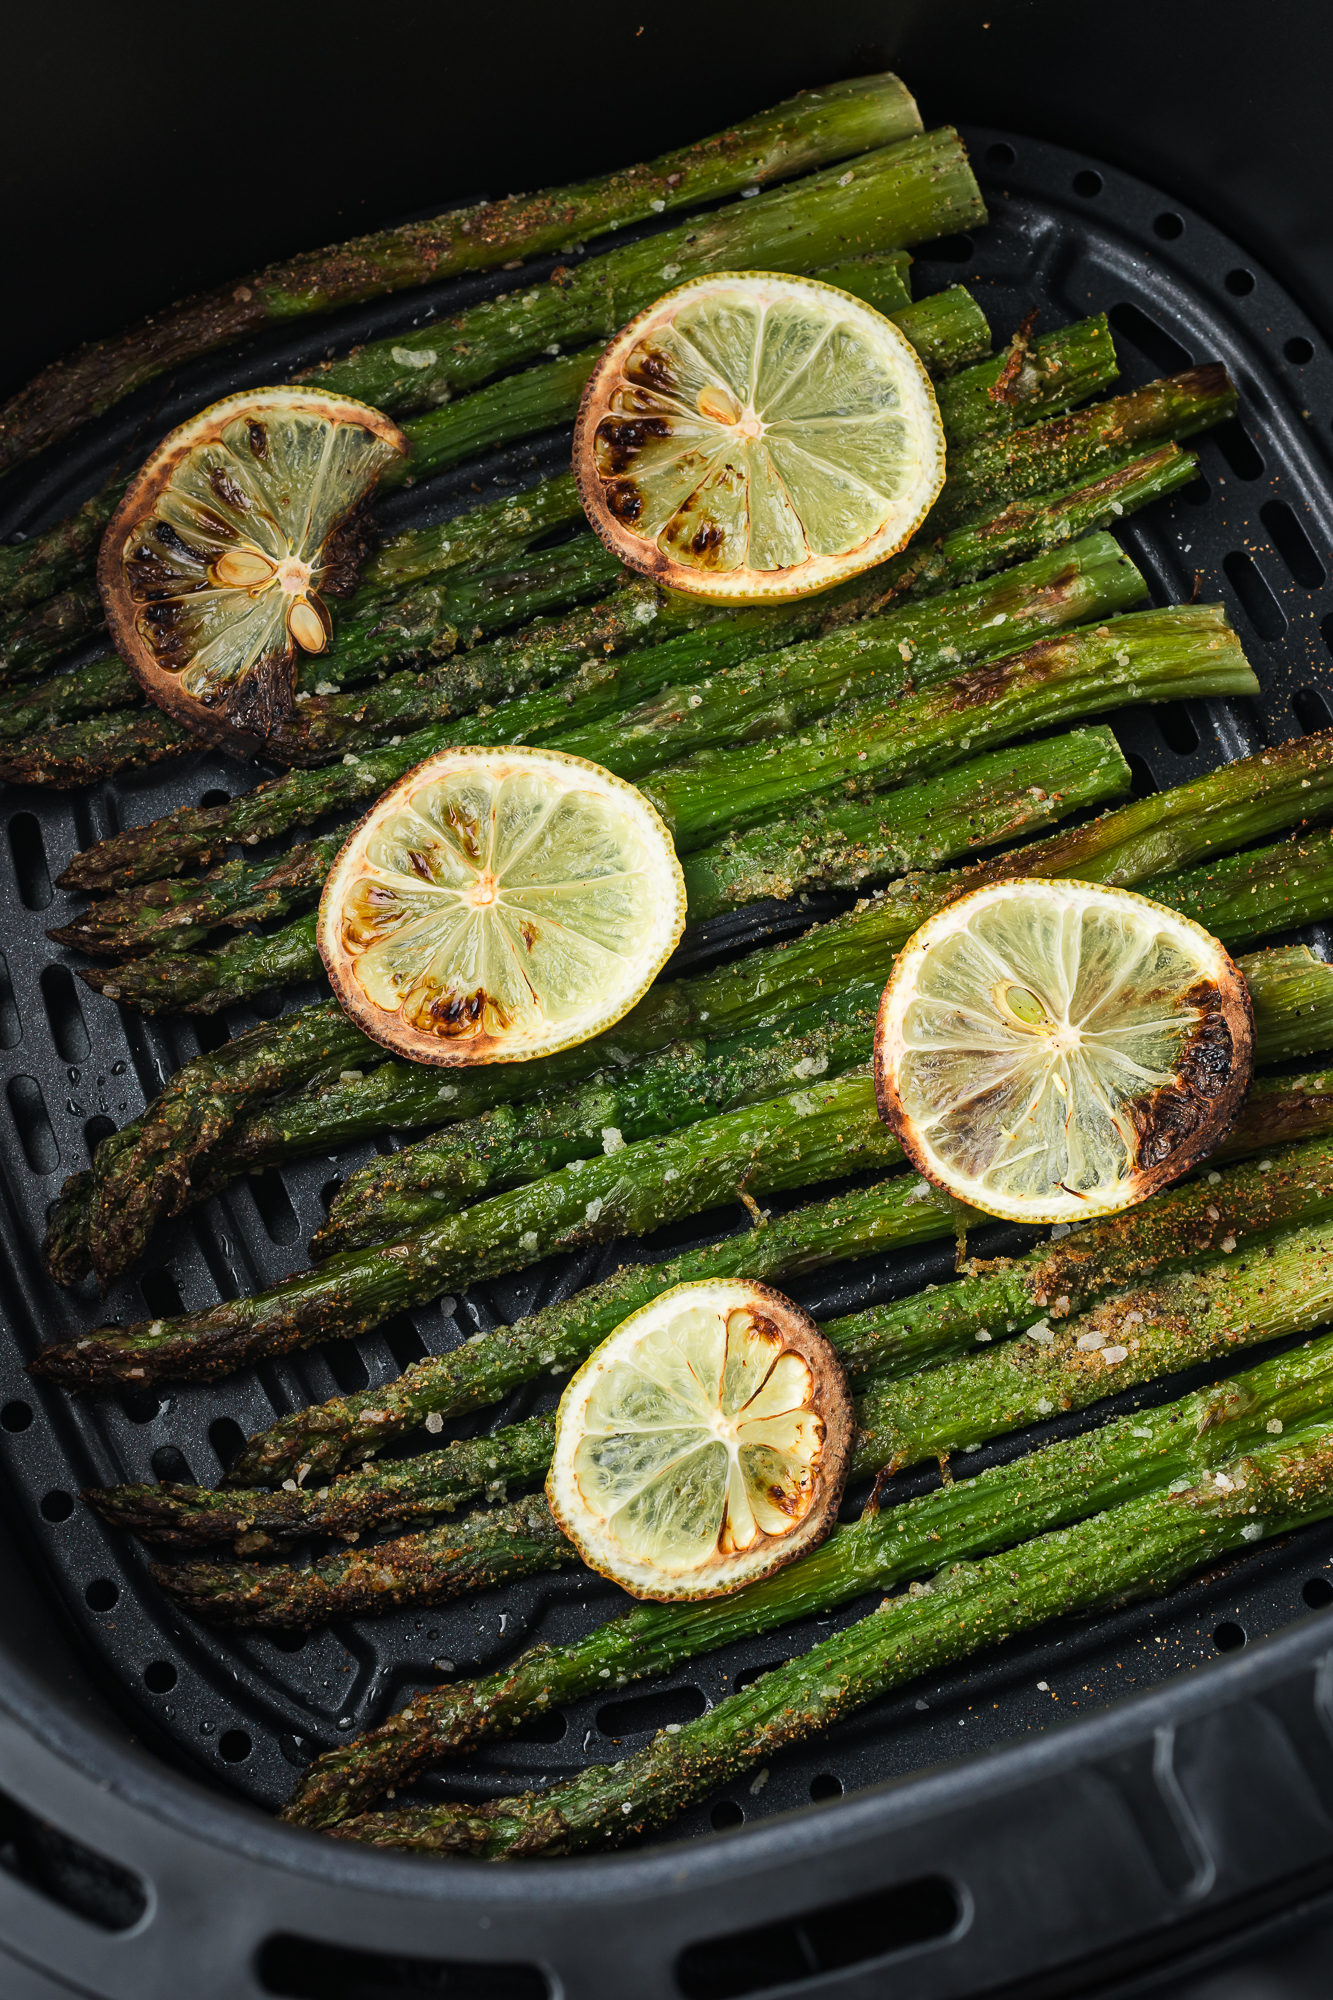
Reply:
x=216, y=567
x=756, y=436
x=1049, y=1051
x=499, y=904
x=704, y=1444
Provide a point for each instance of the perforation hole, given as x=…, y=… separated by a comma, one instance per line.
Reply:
x=1160, y=347
x=1317, y=1592
x=57, y=1505
x=234, y=1746
x=790, y=1950
x=211, y=1032
x=287, y=1642
x=1238, y=449
x=1198, y=492
x=749, y=1675
x=1000, y=155
x=28, y=1108
x=347, y=1368
x=16, y=1416
x=30, y=869
x=94, y=1131
x=1178, y=732
x=1142, y=782
x=215, y=797
x=1256, y=599
x=651, y=1711
x=228, y=1441
x=101, y=1594
x=1087, y=183
x=171, y=1467
x=161, y=1294
x=328, y=1194
x=1239, y=283
x=11, y=1028
x=1169, y=226
x=159, y=1677
x=545, y=1728
x=724, y=1814
x=60, y=998
x=141, y=1406
x=1311, y=710
x=403, y=1341
x=279, y=1218
x=1229, y=1637
x=1292, y=543
x=826, y=1786
x=1299, y=350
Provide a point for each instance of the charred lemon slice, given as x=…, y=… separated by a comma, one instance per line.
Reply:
x=703, y=1444
x=215, y=567
x=1047, y=1051
x=500, y=904
x=753, y=436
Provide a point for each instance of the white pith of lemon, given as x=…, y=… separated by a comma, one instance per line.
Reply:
x=1048, y=1051
x=215, y=567
x=757, y=436
x=703, y=1444
x=500, y=904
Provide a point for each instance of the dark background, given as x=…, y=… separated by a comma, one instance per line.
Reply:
x=149, y=151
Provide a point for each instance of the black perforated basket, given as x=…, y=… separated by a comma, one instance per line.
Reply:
x=1136, y=1813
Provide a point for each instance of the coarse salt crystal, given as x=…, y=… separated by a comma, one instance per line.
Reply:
x=528, y=1240
x=657, y=206
x=1113, y=1356
x=1274, y=1425
x=1089, y=1343
x=612, y=1139
x=594, y=1209
x=1228, y=1245
x=435, y=1423
x=414, y=357
x=758, y=1783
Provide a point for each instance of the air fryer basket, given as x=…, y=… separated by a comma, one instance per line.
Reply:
x=1157, y=1825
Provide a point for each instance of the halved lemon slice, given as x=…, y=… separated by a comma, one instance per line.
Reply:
x=215, y=566
x=703, y=1444
x=1048, y=1051
x=754, y=436
x=496, y=905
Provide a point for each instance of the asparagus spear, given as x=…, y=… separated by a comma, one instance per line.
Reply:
x=177, y=915
x=31, y=639
x=803, y=132
x=200, y=835
x=34, y=570
x=812, y=1134
x=1173, y=1323
x=990, y=1301
x=1145, y=1546
x=899, y=194
x=79, y=753
x=31, y=711
x=1292, y=992
x=1164, y=1450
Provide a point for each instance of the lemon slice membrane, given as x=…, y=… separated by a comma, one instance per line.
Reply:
x=703, y=1444
x=1048, y=1051
x=499, y=904
x=753, y=435
x=215, y=568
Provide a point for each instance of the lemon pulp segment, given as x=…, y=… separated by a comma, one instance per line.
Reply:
x=1051, y=1050
x=500, y=904
x=758, y=435
x=702, y=1445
